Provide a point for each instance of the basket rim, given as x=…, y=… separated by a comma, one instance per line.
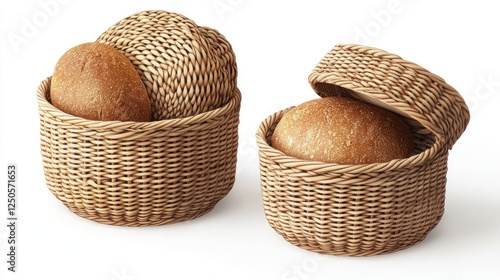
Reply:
x=45, y=107
x=324, y=167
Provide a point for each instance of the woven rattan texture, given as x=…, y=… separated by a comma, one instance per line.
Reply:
x=187, y=69
x=139, y=174
x=351, y=210
x=369, y=209
x=394, y=83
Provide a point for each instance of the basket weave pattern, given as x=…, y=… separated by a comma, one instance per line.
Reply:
x=174, y=168
x=137, y=174
x=187, y=69
x=395, y=84
x=367, y=209
x=349, y=210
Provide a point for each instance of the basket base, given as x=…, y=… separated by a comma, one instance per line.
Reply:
x=363, y=249
x=156, y=220
x=356, y=252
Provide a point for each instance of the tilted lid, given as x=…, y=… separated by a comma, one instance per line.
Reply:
x=187, y=69
x=387, y=80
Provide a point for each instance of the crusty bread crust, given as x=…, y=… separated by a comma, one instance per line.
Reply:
x=344, y=131
x=96, y=82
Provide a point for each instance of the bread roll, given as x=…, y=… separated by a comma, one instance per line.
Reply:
x=343, y=131
x=96, y=82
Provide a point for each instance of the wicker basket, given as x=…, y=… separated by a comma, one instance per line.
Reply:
x=172, y=169
x=369, y=209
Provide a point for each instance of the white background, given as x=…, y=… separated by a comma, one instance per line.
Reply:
x=277, y=44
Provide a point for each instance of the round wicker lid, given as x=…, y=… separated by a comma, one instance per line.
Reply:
x=384, y=79
x=187, y=69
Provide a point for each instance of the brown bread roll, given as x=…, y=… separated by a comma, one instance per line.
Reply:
x=343, y=131
x=96, y=82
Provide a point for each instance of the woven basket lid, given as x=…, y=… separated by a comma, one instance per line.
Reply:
x=187, y=69
x=386, y=80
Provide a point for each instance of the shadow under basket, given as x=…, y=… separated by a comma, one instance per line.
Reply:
x=366, y=209
x=139, y=173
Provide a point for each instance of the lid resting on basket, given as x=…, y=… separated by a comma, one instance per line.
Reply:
x=187, y=69
x=387, y=80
